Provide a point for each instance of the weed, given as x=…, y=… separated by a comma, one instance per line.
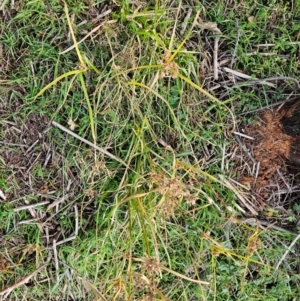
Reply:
x=149, y=209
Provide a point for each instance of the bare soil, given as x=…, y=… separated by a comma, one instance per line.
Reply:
x=271, y=147
x=273, y=157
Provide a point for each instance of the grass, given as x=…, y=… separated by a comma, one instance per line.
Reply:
x=167, y=224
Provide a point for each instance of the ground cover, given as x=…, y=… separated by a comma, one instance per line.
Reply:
x=128, y=169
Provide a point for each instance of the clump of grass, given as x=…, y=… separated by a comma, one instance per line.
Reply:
x=165, y=224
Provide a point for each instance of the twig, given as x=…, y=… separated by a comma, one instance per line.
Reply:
x=216, y=48
x=265, y=81
x=25, y=207
x=270, y=106
x=55, y=260
x=186, y=21
x=287, y=251
x=243, y=135
x=47, y=159
x=235, y=47
x=257, y=166
x=33, y=73
x=261, y=53
x=58, y=201
x=21, y=282
x=2, y=195
x=76, y=220
x=70, y=182
x=245, y=76
x=13, y=144
x=237, y=73
x=65, y=240
x=100, y=149
x=223, y=157
x=28, y=221
x=273, y=44
x=104, y=14
x=284, y=181
x=243, y=147
x=262, y=224
x=47, y=235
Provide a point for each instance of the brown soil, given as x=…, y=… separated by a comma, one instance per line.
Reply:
x=274, y=148
x=270, y=146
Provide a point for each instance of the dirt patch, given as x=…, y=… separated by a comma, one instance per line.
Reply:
x=273, y=157
x=271, y=148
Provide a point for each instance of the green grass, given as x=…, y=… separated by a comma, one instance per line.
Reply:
x=160, y=227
